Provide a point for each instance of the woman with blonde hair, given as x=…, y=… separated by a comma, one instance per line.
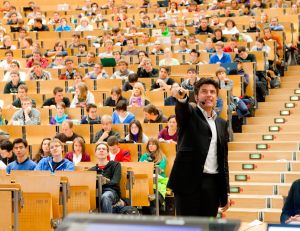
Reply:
x=82, y=96
x=138, y=98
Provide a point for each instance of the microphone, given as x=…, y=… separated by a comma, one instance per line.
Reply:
x=180, y=92
x=203, y=103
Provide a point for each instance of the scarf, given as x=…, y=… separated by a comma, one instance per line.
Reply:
x=135, y=99
x=61, y=119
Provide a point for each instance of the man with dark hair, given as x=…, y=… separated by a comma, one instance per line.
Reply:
x=37, y=57
x=130, y=48
x=204, y=28
x=116, y=153
x=39, y=26
x=67, y=133
x=153, y=115
x=194, y=57
x=132, y=79
x=6, y=152
x=163, y=82
x=22, y=162
x=58, y=97
x=189, y=82
x=70, y=70
x=9, y=58
x=91, y=117
x=202, y=154
x=244, y=56
x=146, y=69
x=22, y=93
x=90, y=60
x=75, y=41
x=12, y=86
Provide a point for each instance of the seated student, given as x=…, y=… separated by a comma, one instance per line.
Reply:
x=145, y=69
x=116, y=153
x=154, y=154
x=78, y=153
x=244, y=56
x=220, y=56
x=37, y=72
x=129, y=84
x=58, y=97
x=61, y=114
x=135, y=133
x=56, y=161
x=121, y=115
x=26, y=115
x=58, y=62
x=138, y=98
x=116, y=96
x=163, y=82
x=6, y=152
x=12, y=86
x=82, y=50
x=106, y=131
x=97, y=73
x=91, y=117
x=22, y=161
x=291, y=210
x=70, y=70
x=22, y=94
x=82, y=96
x=171, y=100
x=111, y=170
x=58, y=49
x=188, y=83
x=67, y=134
x=14, y=66
x=90, y=60
x=123, y=72
x=153, y=115
x=168, y=59
x=77, y=79
x=169, y=133
x=44, y=150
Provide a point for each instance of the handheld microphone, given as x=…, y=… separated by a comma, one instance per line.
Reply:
x=180, y=92
x=203, y=103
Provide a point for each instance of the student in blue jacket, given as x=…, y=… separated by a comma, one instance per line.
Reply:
x=56, y=161
x=22, y=162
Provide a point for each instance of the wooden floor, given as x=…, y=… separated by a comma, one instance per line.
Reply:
x=264, y=159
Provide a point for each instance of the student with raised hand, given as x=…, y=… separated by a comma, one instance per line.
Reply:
x=56, y=161
x=22, y=162
x=111, y=172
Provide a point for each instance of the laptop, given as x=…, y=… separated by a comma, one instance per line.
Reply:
x=95, y=222
x=108, y=62
x=283, y=227
x=231, y=68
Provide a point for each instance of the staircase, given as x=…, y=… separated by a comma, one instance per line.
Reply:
x=265, y=159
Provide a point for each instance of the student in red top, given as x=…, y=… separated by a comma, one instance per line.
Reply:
x=116, y=153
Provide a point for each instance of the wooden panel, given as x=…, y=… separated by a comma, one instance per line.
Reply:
x=36, y=133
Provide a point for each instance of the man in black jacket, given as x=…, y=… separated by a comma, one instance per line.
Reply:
x=111, y=172
x=199, y=177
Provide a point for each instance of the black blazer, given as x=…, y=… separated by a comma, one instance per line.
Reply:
x=194, y=136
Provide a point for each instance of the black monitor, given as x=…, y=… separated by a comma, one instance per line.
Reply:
x=95, y=222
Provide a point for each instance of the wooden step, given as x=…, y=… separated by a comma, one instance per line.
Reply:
x=270, y=146
x=242, y=214
x=275, y=166
x=264, y=155
x=260, y=137
x=249, y=188
x=265, y=128
x=270, y=120
x=257, y=201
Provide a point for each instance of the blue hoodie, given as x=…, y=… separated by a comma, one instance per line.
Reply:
x=45, y=164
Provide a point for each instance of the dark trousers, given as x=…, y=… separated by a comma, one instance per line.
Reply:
x=204, y=202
